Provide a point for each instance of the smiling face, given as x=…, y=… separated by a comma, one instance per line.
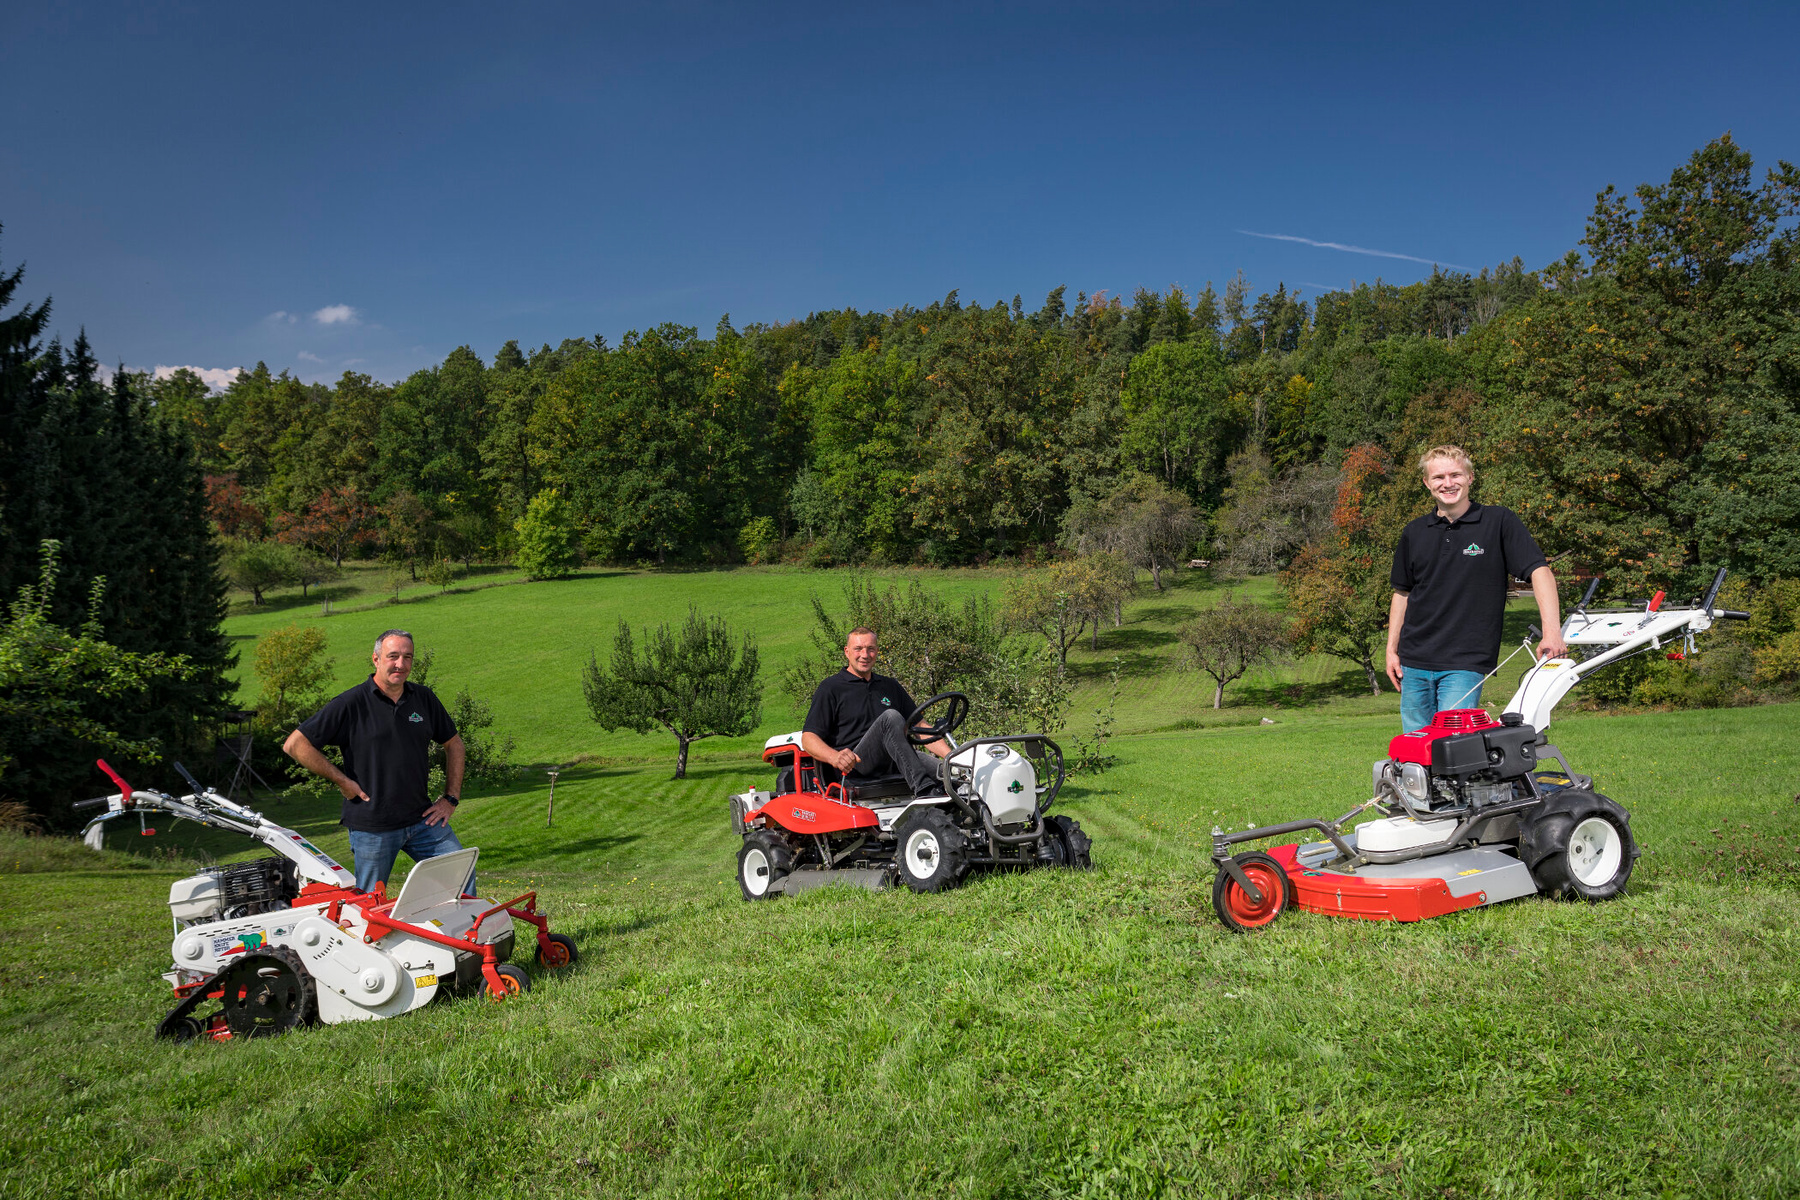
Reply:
x=860, y=653
x=1448, y=482
x=393, y=660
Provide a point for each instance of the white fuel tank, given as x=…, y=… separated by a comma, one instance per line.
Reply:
x=1006, y=783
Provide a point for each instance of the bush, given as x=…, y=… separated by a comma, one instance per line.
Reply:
x=759, y=540
x=293, y=668
x=546, y=537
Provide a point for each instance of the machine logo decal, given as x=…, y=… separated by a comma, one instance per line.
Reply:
x=1472, y=550
x=804, y=815
x=416, y=719
x=1015, y=787
x=887, y=702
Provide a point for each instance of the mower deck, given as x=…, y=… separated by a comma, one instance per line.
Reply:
x=1407, y=891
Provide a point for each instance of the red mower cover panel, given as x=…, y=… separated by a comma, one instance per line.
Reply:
x=809, y=812
x=1337, y=895
x=1416, y=747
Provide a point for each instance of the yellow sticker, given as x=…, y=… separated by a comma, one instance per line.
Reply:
x=425, y=981
x=437, y=922
x=1549, y=666
x=1471, y=871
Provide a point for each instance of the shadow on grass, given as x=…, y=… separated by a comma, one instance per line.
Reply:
x=1343, y=685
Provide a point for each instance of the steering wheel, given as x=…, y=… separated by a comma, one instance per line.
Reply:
x=944, y=726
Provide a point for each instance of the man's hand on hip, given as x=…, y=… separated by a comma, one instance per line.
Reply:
x=1394, y=669
x=439, y=813
x=353, y=790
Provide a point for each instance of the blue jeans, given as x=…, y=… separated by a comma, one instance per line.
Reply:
x=375, y=852
x=1424, y=694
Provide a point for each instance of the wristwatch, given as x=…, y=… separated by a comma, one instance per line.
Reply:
x=452, y=799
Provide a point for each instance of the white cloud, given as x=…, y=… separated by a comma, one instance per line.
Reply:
x=281, y=317
x=308, y=356
x=335, y=314
x=1288, y=237
x=216, y=378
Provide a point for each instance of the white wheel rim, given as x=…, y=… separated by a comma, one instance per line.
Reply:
x=922, y=854
x=1594, y=852
x=756, y=872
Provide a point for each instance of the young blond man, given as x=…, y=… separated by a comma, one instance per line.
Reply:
x=1450, y=578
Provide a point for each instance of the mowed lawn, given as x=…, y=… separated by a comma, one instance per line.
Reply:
x=521, y=648
x=1045, y=1034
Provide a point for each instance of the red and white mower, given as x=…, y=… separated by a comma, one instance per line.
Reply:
x=286, y=941
x=1469, y=814
x=807, y=833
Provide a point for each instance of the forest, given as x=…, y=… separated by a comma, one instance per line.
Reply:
x=1637, y=402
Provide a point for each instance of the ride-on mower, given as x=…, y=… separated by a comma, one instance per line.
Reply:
x=807, y=832
x=286, y=941
x=1470, y=812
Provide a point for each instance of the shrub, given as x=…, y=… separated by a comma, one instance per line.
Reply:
x=546, y=537
x=293, y=668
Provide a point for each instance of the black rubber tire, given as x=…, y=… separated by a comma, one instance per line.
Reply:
x=1232, y=903
x=763, y=860
x=1568, y=872
x=518, y=981
x=189, y=1029
x=568, y=944
x=268, y=993
x=1077, y=846
x=930, y=852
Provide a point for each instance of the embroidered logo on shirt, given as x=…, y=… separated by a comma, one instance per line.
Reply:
x=416, y=719
x=1472, y=550
x=887, y=702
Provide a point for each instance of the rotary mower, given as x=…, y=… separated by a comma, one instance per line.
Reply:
x=807, y=833
x=1472, y=810
x=287, y=941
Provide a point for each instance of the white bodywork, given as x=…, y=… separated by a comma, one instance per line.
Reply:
x=1003, y=779
x=1545, y=684
x=1401, y=833
x=354, y=978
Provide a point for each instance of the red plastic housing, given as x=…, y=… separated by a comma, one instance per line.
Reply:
x=1416, y=747
x=1336, y=895
x=809, y=812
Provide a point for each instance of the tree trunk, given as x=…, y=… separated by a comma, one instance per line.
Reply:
x=1219, y=694
x=1118, y=612
x=681, y=751
x=1374, y=676
x=1156, y=574
x=1094, y=639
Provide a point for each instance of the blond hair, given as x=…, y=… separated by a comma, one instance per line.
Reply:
x=1455, y=454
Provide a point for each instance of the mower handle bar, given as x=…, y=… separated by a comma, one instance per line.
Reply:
x=191, y=781
x=1712, y=593
x=96, y=802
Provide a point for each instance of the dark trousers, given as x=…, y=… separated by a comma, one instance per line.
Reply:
x=884, y=749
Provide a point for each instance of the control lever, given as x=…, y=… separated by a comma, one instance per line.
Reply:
x=191, y=781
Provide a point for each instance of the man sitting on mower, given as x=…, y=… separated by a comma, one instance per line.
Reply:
x=858, y=720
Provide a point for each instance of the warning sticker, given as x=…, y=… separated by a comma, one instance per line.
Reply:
x=425, y=981
x=1470, y=871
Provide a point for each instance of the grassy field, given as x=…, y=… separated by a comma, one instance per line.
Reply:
x=1049, y=1034
x=521, y=646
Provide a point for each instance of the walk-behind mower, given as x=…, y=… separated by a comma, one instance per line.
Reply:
x=1470, y=811
x=990, y=813
x=287, y=941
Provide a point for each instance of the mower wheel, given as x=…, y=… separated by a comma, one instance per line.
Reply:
x=1593, y=864
x=560, y=952
x=186, y=1029
x=1076, y=844
x=513, y=979
x=1233, y=903
x=762, y=862
x=932, y=851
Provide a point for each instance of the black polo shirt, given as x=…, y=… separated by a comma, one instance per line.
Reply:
x=844, y=707
x=1455, y=576
x=387, y=749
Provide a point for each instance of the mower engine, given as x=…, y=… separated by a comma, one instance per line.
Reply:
x=239, y=890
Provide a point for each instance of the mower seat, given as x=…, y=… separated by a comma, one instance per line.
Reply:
x=866, y=789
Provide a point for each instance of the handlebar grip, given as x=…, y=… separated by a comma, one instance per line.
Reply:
x=1593, y=586
x=96, y=802
x=1732, y=614
x=191, y=781
x=1712, y=593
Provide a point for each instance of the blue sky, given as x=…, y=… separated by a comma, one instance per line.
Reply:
x=368, y=186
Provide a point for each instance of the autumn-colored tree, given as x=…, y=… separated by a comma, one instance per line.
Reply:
x=1338, y=589
x=331, y=525
x=230, y=509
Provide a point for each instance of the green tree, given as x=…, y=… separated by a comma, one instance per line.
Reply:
x=695, y=682
x=293, y=668
x=546, y=538
x=1228, y=639
x=56, y=685
x=258, y=567
x=1179, y=422
x=1650, y=417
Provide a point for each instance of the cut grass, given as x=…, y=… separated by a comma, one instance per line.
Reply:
x=1049, y=1034
x=521, y=647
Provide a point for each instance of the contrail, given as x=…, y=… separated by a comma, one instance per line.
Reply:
x=1288, y=237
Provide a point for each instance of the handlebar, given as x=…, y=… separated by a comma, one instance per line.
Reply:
x=1732, y=614
x=1712, y=593
x=1593, y=586
x=96, y=802
x=191, y=781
